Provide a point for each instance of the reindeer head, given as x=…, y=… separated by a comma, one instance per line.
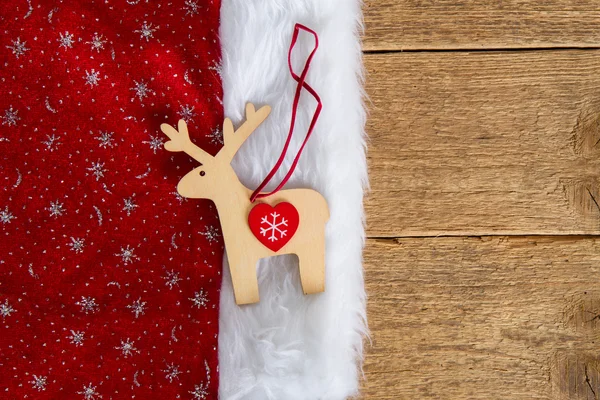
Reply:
x=215, y=176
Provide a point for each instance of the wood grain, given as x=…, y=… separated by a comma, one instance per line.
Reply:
x=484, y=143
x=468, y=145
x=480, y=24
x=483, y=318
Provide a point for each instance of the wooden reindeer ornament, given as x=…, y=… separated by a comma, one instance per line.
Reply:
x=285, y=222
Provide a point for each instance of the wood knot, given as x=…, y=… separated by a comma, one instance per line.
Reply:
x=583, y=195
x=586, y=133
x=576, y=376
x=583, y=312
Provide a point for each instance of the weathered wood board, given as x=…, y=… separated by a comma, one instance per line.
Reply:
x=480, y=24
x=483, y=318
x=466, y=145
x=484, y=143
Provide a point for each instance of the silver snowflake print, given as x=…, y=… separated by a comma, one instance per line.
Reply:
x=155, y=143
x=66, y=40
x=106, y=139
x=211, y=234
x=77, y=245
x=216, y=137
x=10, y=117
x=89, y=393
x=129, y=205
x=138, y=307
x=141, y=89
x=39, y=383
x=18, y=47
x=97, y=42
x=186, y=112
x=218, y=68
x=191, y=7
x=171, y=372
x=97, y=169
x=51, y=142
x=56, y=209
x=6, y=310
x=200, y=392
x=179, y=197
x=76, y=338
x=200, y=299
x=186, y=77
x=88, y=305
x=92, y=78
x=172, y=279
x=146, y=31
x=6, y=216
x=207, y=370
x=127, y=255
x=127, y=347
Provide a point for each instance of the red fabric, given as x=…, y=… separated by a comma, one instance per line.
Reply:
x=109, y=281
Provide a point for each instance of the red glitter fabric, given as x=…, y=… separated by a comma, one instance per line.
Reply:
x=109, y=280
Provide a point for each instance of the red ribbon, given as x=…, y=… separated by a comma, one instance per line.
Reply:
x=301, y=85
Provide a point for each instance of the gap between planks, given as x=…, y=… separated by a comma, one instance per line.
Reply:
x=491, y=235
x=481, y=50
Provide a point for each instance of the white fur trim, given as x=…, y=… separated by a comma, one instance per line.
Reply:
x=290, y=346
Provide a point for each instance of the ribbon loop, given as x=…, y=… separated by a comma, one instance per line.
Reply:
x=301, y=85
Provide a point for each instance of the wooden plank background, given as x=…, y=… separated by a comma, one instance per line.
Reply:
x=480, y=24
x=483, y=218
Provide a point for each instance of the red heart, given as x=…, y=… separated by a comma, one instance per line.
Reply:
x=274, y=226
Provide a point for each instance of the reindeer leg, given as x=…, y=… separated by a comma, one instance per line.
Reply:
x=245, y=282
x=312, y=266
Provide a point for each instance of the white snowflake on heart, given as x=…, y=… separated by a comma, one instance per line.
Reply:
x=273, y=227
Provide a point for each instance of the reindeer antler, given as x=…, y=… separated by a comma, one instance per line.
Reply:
x=235, y=138
x=180, y=141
